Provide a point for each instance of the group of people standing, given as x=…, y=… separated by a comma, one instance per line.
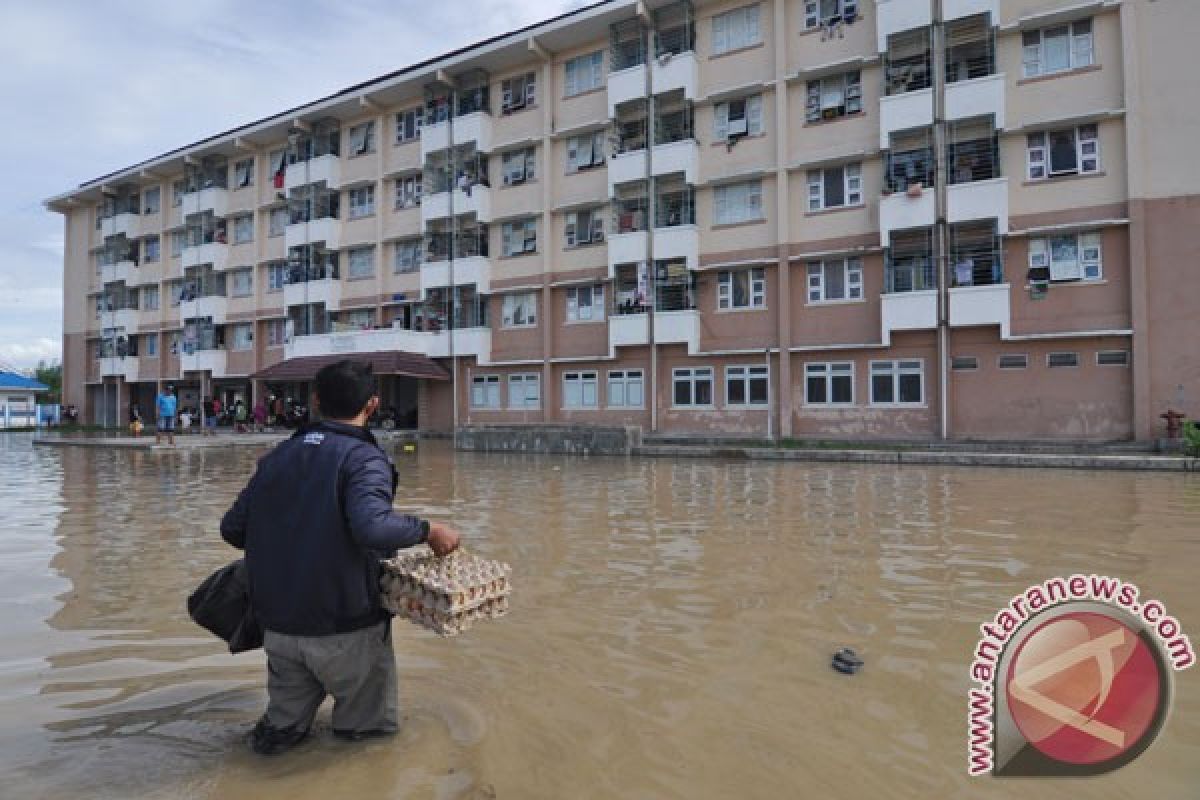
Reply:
x=212, y=412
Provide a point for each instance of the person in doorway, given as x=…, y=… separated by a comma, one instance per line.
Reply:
x=260, y=416
x=239, y=415
x=135, y=420
x=314, y=520
x=210, y=417
x=165, y=405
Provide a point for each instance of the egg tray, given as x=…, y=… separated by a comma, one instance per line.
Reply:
x=446, y=595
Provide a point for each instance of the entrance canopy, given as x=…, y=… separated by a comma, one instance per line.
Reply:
x=392, y=362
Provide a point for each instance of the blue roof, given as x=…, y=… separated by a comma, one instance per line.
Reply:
x=13, y=380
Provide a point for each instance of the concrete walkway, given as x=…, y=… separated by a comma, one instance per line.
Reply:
x=189, y=442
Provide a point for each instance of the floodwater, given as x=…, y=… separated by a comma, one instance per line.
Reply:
x=670, y=633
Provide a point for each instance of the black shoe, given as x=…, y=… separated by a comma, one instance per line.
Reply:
x=267, y=740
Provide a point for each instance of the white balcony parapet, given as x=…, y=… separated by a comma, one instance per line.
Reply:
x=212, y=306
x=215, y=253
x=981, y=305
x=908, y=311
x=900, y=211
x=302, y=293
x=957, y=9
x=626, y=330
x=466, y=342
x=214, y=199
x=897, y=16
x=979, y=200
x=471, y=128
x=461, y=342
x=212, y=361
x=625, y=85
x=977, y=97
x=325, y=169
x=679, y=241
x=117, y=272
x=126, y=224
x=126, y=319
x=325, y=229
x=475, y=270
x=903, y=112
x=675, y=71
x=626, y=167
x=678, y=327
x=683, y=156
x=145, y=275
x=478, y=202
x=626, y=248
x=115, y=366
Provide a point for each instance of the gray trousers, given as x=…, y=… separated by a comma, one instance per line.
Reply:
x=357, y=668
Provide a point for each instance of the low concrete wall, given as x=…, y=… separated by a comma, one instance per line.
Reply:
x=563, y=439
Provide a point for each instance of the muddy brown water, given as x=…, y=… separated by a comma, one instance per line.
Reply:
x=670, y=633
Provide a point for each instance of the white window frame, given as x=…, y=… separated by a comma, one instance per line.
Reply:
x=735, y=203
x=818, y=286
x=408, y=191
x=518, y=92
x=827, y=372
x=277, y=222
x=1072, y=359
x=358, y=259
x=152, y=206
x=693, y=377
x=839, y=94
x=622, y=386
x=525, y=387
x=964, y=363
x=580, y=390
x=583, y=73
x=1015, y=361
x=151, y=344
x=586, y=151
x=1086, y=265
x=1101, y=362
x=243, y=173
x=151, y=258
x=741, y=116
x=177, y=241
x=362, y=139
x=1081, y=48
x=485, y=392
x=852, y=187
x=1039, y=152
x=276, y=332
x=241, y=338
x=243, y=287
x=585, y=303
x=584, y=227
x=519, y=237
x=276, y=276
x=361, y=201
x=243, y=229
x=410, y=118
x=817, y=12
x=523, y=303
x=747, y=375
x=756, y=289
x=150, y=298
x=519, y=166
x=736, y=29
x=897, y=369
x=407, y=247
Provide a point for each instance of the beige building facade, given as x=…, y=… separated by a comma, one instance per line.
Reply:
x=887, y=219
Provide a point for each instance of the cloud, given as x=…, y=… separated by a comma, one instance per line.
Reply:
x=23, y=355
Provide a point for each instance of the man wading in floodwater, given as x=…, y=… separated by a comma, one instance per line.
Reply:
x=314, y=520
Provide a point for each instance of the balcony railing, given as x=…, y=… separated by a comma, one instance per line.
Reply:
x=673, y=122
x=675, y=207
x=973, y=160
x=970, y=49
x=627, y=45
x=629, y=214
x=909, y=168
x=675, y=29
x=442, y=246
x=910, y=274
x=907, y=66
x=975, y=255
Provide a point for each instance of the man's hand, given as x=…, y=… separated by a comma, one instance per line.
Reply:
x=442, y=539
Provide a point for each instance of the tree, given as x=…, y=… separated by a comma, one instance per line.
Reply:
x=49, y=374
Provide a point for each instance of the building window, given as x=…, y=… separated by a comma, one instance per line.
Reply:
x=485, y=391
x=408, y=191
x=520, y=237
x=747, y=386
x=362, y=138
x=525, y=390
x=830, y=384
x=585, y=151
x=585, y=303
x=625, y=389
x=276, y=276
x=1074, y=151
x=177, y=239
x=818, y=13
x=1073, y=257
x=835, y=187
x=362, y=201
x=1012, y=361
x=519, y=310
x=833, y=97
x=243, y=229
x=151, y=344
x=243, y=173
x=735, y=29
x=243, y=337
x=834, y=280
x=276, y=332
x=407, y=256
x=1057, y=49
x=178, y=189
x=1112, y=358
x=277, y=222
x=152, y=249
x=743, y=288
x=361, y=262
x=741, y=117
x=408, y=125
x=518, y=93
x=152, y=200
x=897, y=382
x=692, y=387
x=584, y=73
x=243, y=282
x=1056, y=360
x=519, y=166
x=579, y=390
x=150, y=298
x=737, y=202
x=585, y=227
x=964, y=363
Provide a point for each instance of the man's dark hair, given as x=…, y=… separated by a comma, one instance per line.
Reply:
x=344, y=388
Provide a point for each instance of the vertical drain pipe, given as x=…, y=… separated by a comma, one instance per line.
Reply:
x=651, y=282
x=941, y=256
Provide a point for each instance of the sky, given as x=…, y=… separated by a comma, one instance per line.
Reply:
x=91, y=87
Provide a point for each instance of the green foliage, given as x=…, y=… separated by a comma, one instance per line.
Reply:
x=51, y=375
x=1191, y=438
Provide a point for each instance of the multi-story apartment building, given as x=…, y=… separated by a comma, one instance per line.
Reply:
x=887, y=218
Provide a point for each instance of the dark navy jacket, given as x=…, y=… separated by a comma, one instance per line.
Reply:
x=314, y=521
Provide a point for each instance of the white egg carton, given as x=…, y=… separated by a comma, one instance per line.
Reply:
x=446, y=595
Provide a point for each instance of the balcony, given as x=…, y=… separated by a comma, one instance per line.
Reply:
x=626, y=167
x=322, y=290
x=981, y=305
x=325, y=169
x=475, y=127
x=213, y=306
x=957, y=9
x=677, y=242
x=903, y=112
x=215, y=253
x=114, y=366
x=682, y=156
x=628, y=330
x=678, y=327
x=987, y=199
x=120, y=271
x=908, y=311
x=127, y=319
x=626, y=248
x=214, y=199
x=322, y=229
x=467, y=270
x=368, y=341
x=477, y=202
x=913, y=208
x=125, y=224
x=625, y=85
x=145, y=275
x=898, y=16
x=466, y=342
x=976, y=97
x=671, y=71
x=211, y=361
